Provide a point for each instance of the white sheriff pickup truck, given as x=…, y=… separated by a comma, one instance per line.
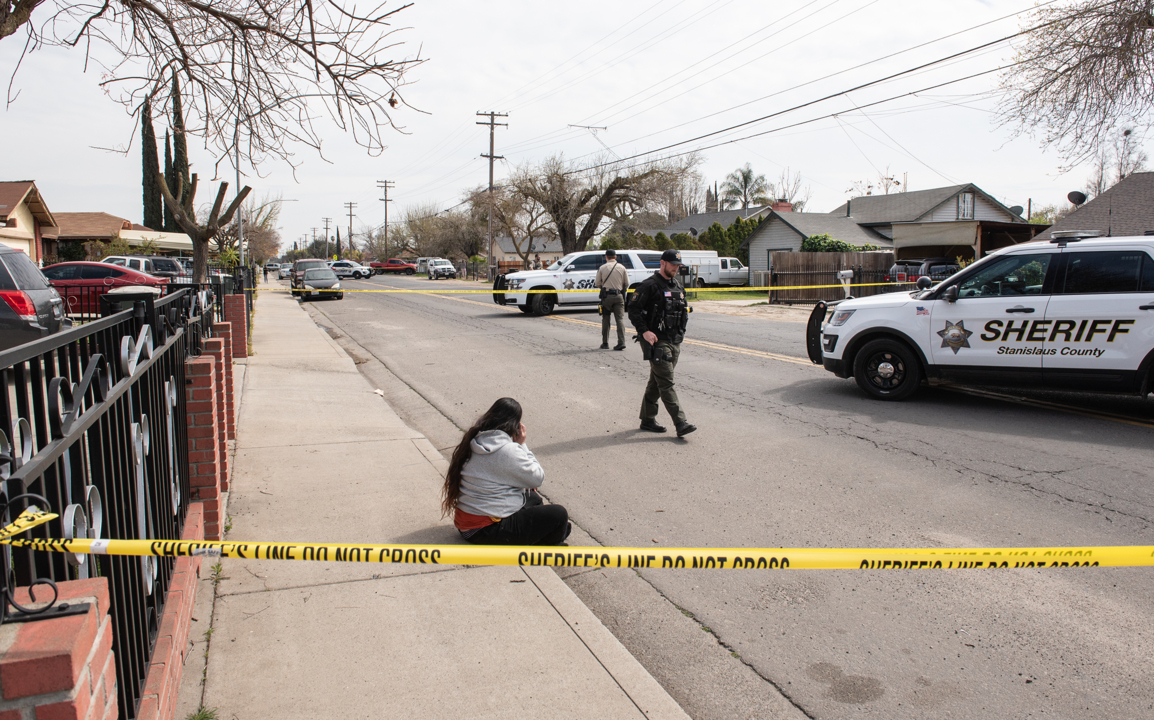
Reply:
x=576, y=271
x=1075, y=312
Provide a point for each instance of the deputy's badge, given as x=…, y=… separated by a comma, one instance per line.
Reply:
x=955, y=336
x=568, y=284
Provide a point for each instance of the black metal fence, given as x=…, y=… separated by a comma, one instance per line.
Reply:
x=87, y=303
x=93, y=420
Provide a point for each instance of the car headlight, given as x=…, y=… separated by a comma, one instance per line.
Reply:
x=309, y=287
x=337, y=286
x=840, y=317
x=515, y=284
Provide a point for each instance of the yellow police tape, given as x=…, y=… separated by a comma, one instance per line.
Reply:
x=550, y=291
x=603, y=557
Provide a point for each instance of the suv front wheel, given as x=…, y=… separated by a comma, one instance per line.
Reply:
x=887, y=370
x=542, y=304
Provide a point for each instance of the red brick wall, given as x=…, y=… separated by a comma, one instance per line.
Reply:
x=161, y=685
x=234, y=312
x=60, y=668
x=214, y=347
x=223, y=330
x=204, y=441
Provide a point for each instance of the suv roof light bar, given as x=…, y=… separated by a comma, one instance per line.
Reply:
x=1061, y=237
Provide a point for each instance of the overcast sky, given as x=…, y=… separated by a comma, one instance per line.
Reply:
x=653, y=73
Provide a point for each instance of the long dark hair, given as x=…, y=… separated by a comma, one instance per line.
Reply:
x=505, y=414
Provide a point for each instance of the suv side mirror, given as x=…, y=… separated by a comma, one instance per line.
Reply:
x=951, y=294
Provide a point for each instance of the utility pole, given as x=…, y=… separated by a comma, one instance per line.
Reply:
x=385, y=185
x=348, y=206
x=327, y=221
x=492, y=123
x=314, y=236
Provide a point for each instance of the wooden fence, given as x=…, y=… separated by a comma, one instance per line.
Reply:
x=790, y=269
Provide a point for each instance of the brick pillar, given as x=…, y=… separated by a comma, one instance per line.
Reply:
x=204, y=445
x=214, y=347
x=223, y=330
x=161, y=685
x=64, y=667
x=234, y=312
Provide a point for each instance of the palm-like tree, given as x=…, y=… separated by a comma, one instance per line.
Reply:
x=742, y=186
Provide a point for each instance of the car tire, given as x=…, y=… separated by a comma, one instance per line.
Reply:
x=543, y=304
x=525, y=309
x=887, y=369
x=410, y=271
x=700, y=283
x=340, y=296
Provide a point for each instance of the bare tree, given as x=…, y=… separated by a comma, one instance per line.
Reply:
x=186, y=218
x=579, y=200
x=788, y=188
x=1115, y=163
x=1085, y=70
x=255, y=71
x=516, y=216
x=419, y=225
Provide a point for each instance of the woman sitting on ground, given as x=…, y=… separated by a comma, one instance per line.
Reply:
x=491, y=485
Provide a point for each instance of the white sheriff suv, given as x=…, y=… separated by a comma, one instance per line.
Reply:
x=1075, y=312
x=575, y=271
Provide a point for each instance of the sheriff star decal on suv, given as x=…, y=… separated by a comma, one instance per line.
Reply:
x=955, y=336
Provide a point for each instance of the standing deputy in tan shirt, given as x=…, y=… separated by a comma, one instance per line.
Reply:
x=613, y=280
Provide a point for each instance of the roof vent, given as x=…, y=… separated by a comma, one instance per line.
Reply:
x=1149, y=232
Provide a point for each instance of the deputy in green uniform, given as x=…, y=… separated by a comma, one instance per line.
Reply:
x=659, y=312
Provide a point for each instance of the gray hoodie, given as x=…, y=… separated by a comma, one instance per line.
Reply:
x=496, y=479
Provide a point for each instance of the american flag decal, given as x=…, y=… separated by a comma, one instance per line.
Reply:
x=922, y=311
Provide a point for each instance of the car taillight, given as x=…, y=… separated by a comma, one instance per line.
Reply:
x=20, y=303
x=887, y=278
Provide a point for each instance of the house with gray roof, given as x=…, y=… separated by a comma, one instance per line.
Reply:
x=960, y=220
x=956, y=221
x=1125, y=209
x=696, y=224
x=548, y=248
x=785, y=231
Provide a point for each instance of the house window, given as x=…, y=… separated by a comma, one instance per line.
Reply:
x=966, y=206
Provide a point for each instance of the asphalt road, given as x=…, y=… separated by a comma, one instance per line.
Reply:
x=789, y=456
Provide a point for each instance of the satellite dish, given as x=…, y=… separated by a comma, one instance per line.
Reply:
x=693, y=231
x=1077, y=197
x=1017, y=210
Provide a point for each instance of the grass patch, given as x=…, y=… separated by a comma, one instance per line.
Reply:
x=717, y=294
x=203, y=713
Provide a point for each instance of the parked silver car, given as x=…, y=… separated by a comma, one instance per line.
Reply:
x=30, y=308
x=285, y=271
x=441, y=268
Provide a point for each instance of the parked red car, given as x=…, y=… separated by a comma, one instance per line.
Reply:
x=82, y=283
x=394, y=265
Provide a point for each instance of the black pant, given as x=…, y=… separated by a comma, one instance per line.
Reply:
x=534, y=524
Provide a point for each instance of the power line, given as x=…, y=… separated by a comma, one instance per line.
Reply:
x=831, y=96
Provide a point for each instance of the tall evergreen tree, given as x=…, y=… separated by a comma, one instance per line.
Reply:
x=179, y=145
x=170, y=180
x=150, y=168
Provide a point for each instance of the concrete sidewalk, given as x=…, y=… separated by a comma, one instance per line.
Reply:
x=320, y=457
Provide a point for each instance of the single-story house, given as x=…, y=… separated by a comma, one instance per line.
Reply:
x=960, y=220
x=696, y=224
x=785, y=231
x=1125, y=209
x=506, y=251
x=89, y=226
x=26, y=224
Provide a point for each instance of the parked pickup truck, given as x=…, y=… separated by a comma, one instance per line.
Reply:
x=393, y=265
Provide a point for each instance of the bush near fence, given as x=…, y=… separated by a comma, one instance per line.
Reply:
x=791, y=269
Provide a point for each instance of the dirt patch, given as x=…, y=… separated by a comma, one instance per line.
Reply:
x=748, y=309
